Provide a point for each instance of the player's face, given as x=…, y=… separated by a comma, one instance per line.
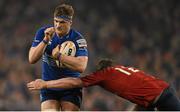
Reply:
x=62, y=26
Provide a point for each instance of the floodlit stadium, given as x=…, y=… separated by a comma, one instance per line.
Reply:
x=139, y=33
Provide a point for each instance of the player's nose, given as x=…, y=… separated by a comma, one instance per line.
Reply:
x=57, y=24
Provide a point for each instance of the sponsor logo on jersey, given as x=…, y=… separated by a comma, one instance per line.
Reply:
x=82, y=43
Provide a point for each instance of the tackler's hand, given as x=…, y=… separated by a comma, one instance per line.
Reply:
x=37, y=84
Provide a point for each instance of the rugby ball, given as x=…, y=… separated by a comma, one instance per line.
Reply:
x=68, y=48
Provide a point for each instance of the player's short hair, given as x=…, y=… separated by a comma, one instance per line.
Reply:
x=104, y=63
x=64, y=10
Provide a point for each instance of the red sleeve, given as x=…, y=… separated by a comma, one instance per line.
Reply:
x=93, y=79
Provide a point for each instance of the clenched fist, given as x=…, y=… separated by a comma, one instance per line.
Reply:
x=49, y=32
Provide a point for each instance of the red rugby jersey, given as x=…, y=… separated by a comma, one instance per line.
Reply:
x=127, y=82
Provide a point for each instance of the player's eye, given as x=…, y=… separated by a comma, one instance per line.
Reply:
x=62, y=22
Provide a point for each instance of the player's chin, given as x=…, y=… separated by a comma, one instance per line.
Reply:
x=61, y=33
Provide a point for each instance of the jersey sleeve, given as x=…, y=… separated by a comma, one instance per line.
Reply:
x=38, y=37
x=93, y=79
x=81, y=46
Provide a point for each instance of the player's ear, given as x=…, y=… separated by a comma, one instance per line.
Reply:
x=70, y=22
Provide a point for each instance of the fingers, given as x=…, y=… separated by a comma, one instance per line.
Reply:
x=49, y=32
x=38, y=80
x=31, y=88
x=55, y=51
x=36, y=85
x=58, y=47
x=32, y=85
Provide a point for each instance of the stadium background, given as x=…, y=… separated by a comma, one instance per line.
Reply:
x=141, y=33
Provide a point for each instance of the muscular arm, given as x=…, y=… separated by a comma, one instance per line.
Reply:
x=65, y=83
x=35, y=53
x=75, y=63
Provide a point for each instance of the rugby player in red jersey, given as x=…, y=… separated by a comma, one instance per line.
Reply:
x=130, y=83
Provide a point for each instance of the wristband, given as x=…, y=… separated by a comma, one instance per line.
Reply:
x=45, y=41
x=59, y=56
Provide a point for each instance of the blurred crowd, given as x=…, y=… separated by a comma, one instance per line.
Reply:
x=140, y=33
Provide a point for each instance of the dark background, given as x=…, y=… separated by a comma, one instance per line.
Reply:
x=140, y=33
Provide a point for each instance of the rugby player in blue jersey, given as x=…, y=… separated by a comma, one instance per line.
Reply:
x=46, y=45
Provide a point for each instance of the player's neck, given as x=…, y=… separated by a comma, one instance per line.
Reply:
x=61, y=36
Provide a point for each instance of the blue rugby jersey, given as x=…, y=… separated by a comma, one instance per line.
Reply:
x=50, y=70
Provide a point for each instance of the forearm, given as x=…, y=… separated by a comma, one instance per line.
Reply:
x=35, y=53
x=75, y=63
x=65, y=83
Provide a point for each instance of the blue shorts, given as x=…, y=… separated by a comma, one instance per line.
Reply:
x=73, y=95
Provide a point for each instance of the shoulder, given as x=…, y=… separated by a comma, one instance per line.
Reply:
x=112, y=68
x=78, y=38
x=76, y=34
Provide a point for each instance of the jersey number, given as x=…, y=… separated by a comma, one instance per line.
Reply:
x=126, y=72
